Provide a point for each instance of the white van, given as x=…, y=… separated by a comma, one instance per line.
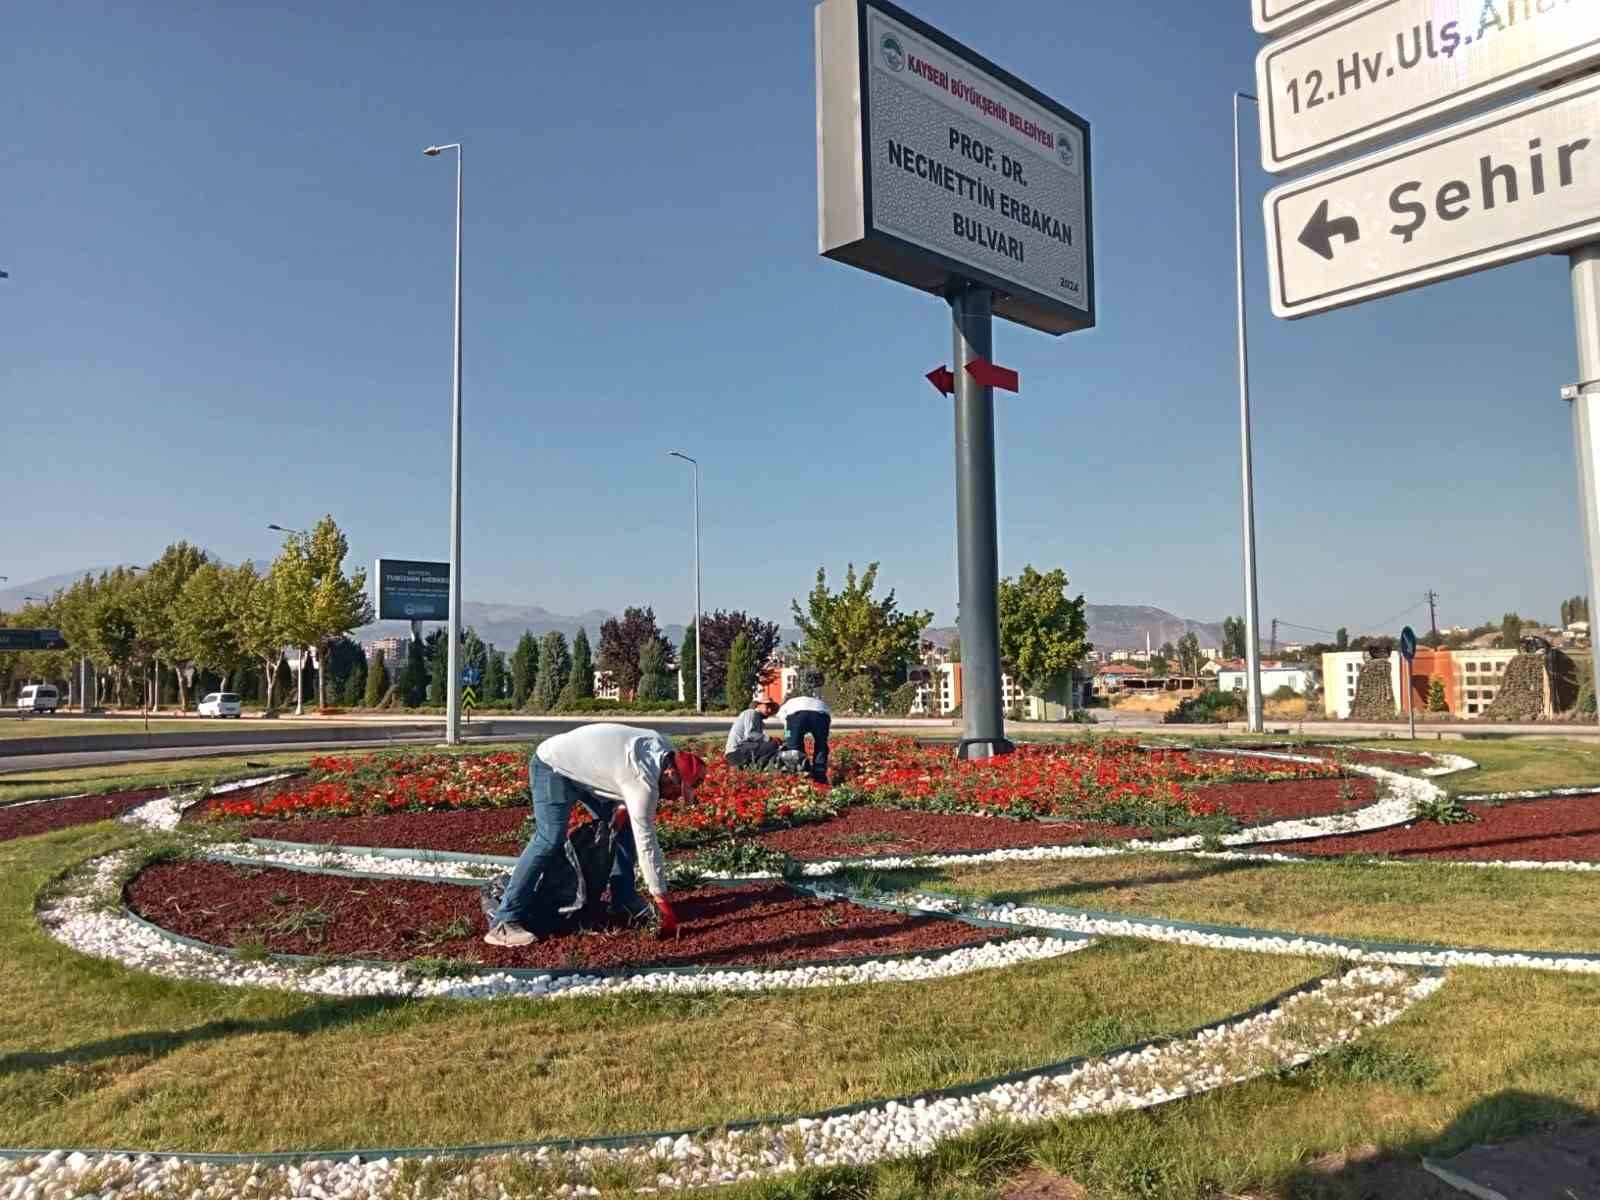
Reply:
x=39, y=697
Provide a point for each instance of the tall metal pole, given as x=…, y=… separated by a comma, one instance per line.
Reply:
x=977, y=537
x=452, y=732
x=699, y=699
x=1585, y=397
x=1252, y=622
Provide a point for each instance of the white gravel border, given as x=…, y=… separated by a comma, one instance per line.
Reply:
x=163, y=813
x=1300, y=1028
x=87, y=918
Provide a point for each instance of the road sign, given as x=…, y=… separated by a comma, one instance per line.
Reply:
x=943, y=380
x=1503, y=186
x=472, y=676
x=1278, y=16
x=469, y=699
x=991, y=376
x=408, y=590
x=32, y=639
x=1387, y=66
x=1408, y=643
x=939, y=169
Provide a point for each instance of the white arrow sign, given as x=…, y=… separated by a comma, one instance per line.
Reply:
x=1387, y=66
x=1275, y=16
x=1506, y=185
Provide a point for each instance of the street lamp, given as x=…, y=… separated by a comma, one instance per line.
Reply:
x=282, y=529
x=452, y=733
x=1252, y=622
x=699, y=701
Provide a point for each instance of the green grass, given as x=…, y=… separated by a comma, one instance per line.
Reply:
x=93, y=1054
x=1515, y=765
x=1461, y=906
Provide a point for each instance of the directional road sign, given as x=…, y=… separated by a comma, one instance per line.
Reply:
x=1503, y=186
x=469, y=699
x=472, y=676
x=1387, y=66
x=1408, y=643
x=32, y=639
x=1276, y=16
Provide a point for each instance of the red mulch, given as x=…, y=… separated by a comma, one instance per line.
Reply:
x=466, y=831
x=1395, y=760
x=391, y=920
x=27, y=819
x=1260, y=803
x=864, y=832
x=1566, y=828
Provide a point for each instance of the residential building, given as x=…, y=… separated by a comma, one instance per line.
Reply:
x=1471, y=679
x=1234, y=677
x=395, y=650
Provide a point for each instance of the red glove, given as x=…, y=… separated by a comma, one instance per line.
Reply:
x=619, y=819
x=669, y=919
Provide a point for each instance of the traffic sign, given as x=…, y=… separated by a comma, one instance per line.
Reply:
x=472, y=676
x=32, y=639
x=1387, y=66
x=1278, y=16
x=469, y=699
x=1408, y=643
x=1502, y=186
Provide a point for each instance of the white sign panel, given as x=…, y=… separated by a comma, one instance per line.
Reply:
x=1275, y=16
x=1387, y=66
x=938, y=168
x=1506, y=185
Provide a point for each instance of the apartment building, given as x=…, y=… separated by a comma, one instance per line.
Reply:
x=1471, y=679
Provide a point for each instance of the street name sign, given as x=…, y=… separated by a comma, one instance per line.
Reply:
x=1388, y=66
x=938, y=169
x=32, y=639
x=1277, y=16
x=408, y=590
x=1506, y=185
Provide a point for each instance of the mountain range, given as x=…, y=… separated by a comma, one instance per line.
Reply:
x=1111, y=626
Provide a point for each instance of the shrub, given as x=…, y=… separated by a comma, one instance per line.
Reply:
x=854, y=695
x=1443, y=810
x=1436, y=699
x=902, y=700
x=1286, y=692
x=1208, y=708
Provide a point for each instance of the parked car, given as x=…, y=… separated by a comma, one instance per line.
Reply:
x=39, y=698
x=220, y=704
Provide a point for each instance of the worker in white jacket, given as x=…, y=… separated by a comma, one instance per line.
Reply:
x=621, y=774
x=802, y=715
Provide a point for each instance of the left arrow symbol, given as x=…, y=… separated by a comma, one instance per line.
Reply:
x=1319, y=232
x=944, y=379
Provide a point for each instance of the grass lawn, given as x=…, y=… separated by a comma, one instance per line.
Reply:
x=1462, y=906
x=93, y=1054
x=1513, y=765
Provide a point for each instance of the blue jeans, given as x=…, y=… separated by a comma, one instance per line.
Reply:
x=553, y=797
x=797, y=725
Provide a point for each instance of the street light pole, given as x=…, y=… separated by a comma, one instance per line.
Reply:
x=699, y=700
x=452, y=733
x=1252, y=621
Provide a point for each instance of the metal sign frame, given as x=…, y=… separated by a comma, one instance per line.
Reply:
x=1280, y=16
x=893, y=257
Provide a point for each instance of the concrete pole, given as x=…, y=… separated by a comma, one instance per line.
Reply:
x=977, y=530
x=1585, y=268
x=453, y=685
x=1252, y=621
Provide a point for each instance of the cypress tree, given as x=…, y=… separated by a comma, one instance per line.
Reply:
x=524, y=669
x=688, y=654
x=580, y=681
x=438, y=685
x=554, y=666
x=742, y=672
x=653, y=686
x=355, y=684
x=414, y=679
x=377, y=681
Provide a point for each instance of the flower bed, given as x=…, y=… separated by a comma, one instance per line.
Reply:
x=291, y=912
x=347, y=785
x=44, y=816
x=1560, y=830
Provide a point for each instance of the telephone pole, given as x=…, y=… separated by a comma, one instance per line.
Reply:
x=1433, y=614
x=1274, y=650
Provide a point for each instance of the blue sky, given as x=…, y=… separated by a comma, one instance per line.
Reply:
x=229, y=304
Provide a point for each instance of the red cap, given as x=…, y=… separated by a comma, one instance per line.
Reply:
x=691, y=769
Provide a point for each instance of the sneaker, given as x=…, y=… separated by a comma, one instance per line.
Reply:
x=508, y=933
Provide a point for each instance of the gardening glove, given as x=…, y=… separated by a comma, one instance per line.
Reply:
x=619, y=819
x=669, y=919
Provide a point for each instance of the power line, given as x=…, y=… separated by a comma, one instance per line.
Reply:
x=1382, y=625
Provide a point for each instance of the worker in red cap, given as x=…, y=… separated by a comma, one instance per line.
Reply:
x=620, y=774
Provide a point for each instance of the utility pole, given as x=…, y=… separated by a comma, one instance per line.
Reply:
x=1433, y=614
x=1274, y=650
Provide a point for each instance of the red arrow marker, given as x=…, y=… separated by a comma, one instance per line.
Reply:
x=944, y=379
x=990, y=376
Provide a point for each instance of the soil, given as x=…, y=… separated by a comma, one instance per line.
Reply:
x=1557, y=830
x=869, y=832
x=1260, y=803
x=293, y=912
x=467, y=831
x=1395, y=760
x=28, y=818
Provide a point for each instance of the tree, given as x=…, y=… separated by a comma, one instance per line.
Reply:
x=1158, y=662
x=339, y=660
x=1341, y=640
x=1574, y=610
x=955, y=649
x=653, y=685
x=355, y=684
x=688, y=655
x=717, y=632
x=1234, y=636
x=261, y=633
x=339, y=602
x=850, y=634
x=293, y=599
x=622, y=642
x=741, y=675
x=1043, y=635
x=1436, y=700
x=554, y=666
x=580, y=681
x=377, y=681
x=494, y=676
x=413, y=683
x=1189, y=654
x=160, y=609
x=524, y=669
x=438, y=669
x=1510, y=632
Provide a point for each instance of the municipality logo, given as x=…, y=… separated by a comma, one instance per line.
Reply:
x=1069, y=157
x=894, y=56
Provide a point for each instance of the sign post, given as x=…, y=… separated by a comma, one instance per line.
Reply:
x=939, y=169
x=1584, y=396
x=1408, y=651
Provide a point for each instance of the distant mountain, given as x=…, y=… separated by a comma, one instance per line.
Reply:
x=1121, y=627
x=14, y=596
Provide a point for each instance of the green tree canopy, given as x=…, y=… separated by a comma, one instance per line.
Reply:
x=1189, y=654
x=621, y=644
x=555, y=664
x=377, y=681
x=849, y=633
x=1043, y=635
x=580, y=679
x=688, y=655
x=742, y=674
x=653, y=683
x=1234, y=636
x=524, y=669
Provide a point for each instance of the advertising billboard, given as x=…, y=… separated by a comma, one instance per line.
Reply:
x=407, y=590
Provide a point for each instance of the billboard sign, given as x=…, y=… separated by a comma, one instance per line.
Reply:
x=407, y=590
x=1507, y=185
x=1276, y=16
x=32, y=639
x=937, y=168
x=1389, y=66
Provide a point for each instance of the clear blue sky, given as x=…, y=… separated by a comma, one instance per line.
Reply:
x=229, y=304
